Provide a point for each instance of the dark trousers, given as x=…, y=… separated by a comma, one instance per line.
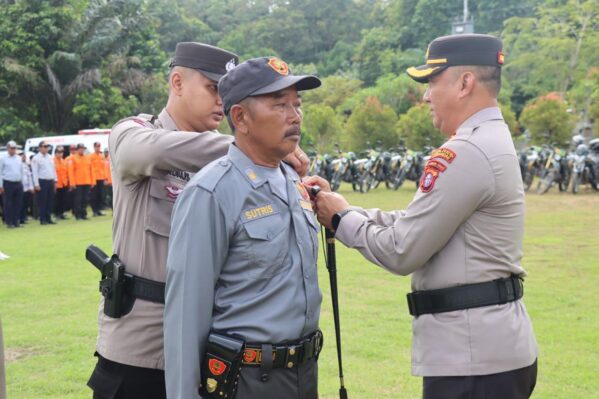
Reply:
x=112, y=380
x=80, y=201
x=27, y=206
x=13, y=200
x=515, y=384
x=108, y=198
x=97, y=196
x=60, y=201
x=45, y=199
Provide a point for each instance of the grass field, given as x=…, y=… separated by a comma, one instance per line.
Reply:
x=48, y=306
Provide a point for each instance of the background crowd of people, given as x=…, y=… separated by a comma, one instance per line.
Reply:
x=48, y=185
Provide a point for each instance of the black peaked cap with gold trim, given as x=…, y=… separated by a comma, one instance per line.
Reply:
x=467, y=49
x=212, y=62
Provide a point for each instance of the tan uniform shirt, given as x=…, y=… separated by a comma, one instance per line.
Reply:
x=151, y=163
x=465, y=225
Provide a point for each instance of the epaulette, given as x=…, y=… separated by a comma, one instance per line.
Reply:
x=210, y=176
x=145, y=120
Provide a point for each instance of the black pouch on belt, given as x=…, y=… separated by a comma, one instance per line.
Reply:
x=220, y=366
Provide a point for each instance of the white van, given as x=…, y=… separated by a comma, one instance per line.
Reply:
x=66, y=141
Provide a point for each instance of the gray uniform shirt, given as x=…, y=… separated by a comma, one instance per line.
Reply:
x=242, y=260
x=150, y=163
x=11, y=169
x=465, y=225
x=42, y=167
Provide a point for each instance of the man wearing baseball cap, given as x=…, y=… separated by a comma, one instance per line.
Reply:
x=242, y=301
x=460, y=237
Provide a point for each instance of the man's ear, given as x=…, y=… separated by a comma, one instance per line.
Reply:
x=176, y=82
x=467, y=81
x=239, y=117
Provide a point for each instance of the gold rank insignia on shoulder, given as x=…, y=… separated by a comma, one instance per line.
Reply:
x=258, y=212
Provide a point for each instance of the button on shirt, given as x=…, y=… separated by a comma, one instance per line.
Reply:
x=42, y=167
x=11, y=169
x=242, y=260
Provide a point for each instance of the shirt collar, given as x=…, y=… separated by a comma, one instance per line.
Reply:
x=254, y=175
x=167, y=122
x=484, y=115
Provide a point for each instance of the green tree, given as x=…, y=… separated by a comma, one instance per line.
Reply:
x=372, y=121
x=335, y=90
x=416, y=128
x=548, y=121
x=322, y=125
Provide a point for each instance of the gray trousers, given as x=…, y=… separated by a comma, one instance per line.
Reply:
x=296, y=383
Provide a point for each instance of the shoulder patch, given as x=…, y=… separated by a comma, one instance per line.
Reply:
x=433, y=168
x=209, y=177
x=443, y=153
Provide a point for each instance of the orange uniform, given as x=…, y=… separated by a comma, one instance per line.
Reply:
x=80, y=170
x=98, y=166
x=62, y=172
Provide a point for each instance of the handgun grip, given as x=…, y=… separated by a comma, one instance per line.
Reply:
x=96, y=257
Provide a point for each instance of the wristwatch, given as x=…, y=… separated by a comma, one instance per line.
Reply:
x=337, y=218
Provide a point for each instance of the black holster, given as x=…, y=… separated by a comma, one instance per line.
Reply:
x=221, y=366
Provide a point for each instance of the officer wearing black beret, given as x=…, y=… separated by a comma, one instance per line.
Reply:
x=461, y=236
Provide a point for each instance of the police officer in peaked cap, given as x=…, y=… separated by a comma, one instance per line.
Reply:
x=242, y=295
x=461, y=236
x=152, y=159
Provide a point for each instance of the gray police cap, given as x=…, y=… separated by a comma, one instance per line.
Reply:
x=213, y=62
x=259, y=76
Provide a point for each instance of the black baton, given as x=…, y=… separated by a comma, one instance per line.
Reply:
x=331, y=262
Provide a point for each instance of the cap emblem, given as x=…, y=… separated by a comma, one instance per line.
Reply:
x=279, y=66
x=230, y=65
x=500, y=58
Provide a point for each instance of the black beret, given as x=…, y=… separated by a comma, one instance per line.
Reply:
x=211, y=61
x=259, y=76
x=467, y=49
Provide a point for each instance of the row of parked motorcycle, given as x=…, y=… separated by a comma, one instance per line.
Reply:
x=551, y=166
x=562, y=168
x=367, y=170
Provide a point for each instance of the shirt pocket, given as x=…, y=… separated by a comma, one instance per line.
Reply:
x=160, y=206
x=267, y=246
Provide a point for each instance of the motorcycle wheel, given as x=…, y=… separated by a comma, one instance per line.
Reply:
x=365, y=182
x=577, y=179
x=399, y=179
x=335, y=181
x=545, y=183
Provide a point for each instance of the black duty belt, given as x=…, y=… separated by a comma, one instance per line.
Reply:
x=286, y=355
x=145, y=289
x=467, y=296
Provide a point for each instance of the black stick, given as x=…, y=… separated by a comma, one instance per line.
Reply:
x=331, y=261
x=332, y=268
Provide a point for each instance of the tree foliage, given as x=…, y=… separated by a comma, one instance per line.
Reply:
x=71, y=64
x=416, y=128
x=548, y=121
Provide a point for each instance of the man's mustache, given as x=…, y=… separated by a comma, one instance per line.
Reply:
x=294, y=131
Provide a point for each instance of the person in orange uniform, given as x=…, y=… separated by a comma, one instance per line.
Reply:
x=62, y=183
x=99, y=168
x=68, y=157
x=108, y=174
x=81, y=179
